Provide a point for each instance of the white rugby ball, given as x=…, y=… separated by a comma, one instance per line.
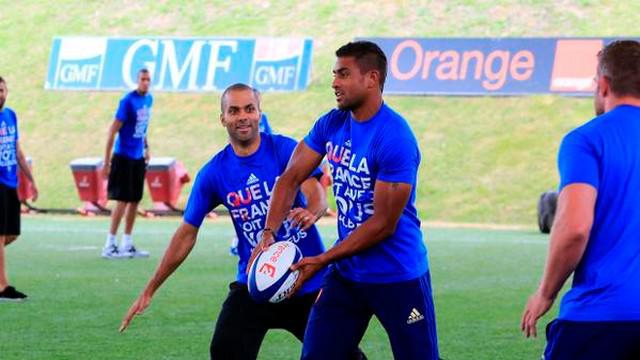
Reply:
x=270, y=278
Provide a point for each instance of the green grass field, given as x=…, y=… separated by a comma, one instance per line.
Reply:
x=485, y=159
x=481, y=280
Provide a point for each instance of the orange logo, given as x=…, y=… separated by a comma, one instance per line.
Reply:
x=575, y=65
x=268, y=269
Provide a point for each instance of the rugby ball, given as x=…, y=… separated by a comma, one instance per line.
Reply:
x=270, y=278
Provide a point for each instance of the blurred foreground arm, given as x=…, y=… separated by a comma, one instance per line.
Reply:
x=569, y=238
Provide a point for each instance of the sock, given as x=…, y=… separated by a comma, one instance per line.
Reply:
x=127, y=241
x=111, y=241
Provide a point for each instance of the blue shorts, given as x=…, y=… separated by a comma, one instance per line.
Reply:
x=341, y=314
x=586, y=340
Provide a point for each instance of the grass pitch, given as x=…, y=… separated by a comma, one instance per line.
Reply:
x=481, y=280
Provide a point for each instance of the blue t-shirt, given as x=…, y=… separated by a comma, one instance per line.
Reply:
x=8, y=138
x=263, y=125
x=243, y=184
x=359, y=154
x=134, y=112
x=605, y=153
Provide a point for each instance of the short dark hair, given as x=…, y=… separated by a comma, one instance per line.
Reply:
x=619, y=62
x=368, y=56
x=2, y=80
x=237, y=87
x=143, y=71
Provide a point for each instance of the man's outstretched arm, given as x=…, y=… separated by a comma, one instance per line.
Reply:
x=181, y=244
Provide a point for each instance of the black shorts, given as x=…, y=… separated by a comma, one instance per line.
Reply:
x=126, y=179
x=9, y=211
x=243, y=323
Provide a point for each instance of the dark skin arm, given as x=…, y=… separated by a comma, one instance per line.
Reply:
x=111, y=136
x=24, y=167
x=284, y=193
x=389, y=200
x=147, y=153
x=316, y=205
x=302, y=163
x=181, y=245
x=569, y=238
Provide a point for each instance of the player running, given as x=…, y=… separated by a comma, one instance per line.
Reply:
x=241, y=177
x=379, y=263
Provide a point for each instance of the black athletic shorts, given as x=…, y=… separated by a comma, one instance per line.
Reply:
x=243, y=323
x=126, y=179
x=9, y=211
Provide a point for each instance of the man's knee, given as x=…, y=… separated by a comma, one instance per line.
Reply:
x=8, y=239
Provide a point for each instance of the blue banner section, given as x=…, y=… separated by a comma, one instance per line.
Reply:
x=477, y=66
x=179, y=64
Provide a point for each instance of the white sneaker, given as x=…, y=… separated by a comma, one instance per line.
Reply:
x=132, y=252
x=111, y=252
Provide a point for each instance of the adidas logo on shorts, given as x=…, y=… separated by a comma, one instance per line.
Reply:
x=414, y=317
x=252, y=179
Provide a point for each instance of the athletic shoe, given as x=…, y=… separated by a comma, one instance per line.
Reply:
x=132, y=252
x=11, y=294
x=111, y=252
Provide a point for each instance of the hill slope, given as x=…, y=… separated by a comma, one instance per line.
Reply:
x=485, y=159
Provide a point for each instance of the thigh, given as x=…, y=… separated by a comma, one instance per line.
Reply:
x=592, y=340
x=138, y=170
x=117, y=178
x=293, y=314
x=406, y=311
x=240, y=328
x=9, y=213
x=337, y=321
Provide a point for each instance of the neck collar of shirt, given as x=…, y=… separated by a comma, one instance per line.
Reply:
x=251, y=156
x=370, y=120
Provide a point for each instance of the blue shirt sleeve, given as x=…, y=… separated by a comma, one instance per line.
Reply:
x=398, y=159
x=202, y=200
x=122, y=113
x=264, y=124
x=578, y=161
x=317, y=137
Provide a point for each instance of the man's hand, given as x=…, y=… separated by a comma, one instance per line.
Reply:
x=301, y=218
x=307, y=267
x=147, y=156
x=137, y=308
x=35, y=191
x=106, y=169
x=265, y=242
x=537, y=306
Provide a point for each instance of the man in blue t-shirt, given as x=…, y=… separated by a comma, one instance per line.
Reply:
x=126, y=169
x=263, y=127
x=379, y=262
x=241, y=178
x=596, y=230
x=11, y=157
